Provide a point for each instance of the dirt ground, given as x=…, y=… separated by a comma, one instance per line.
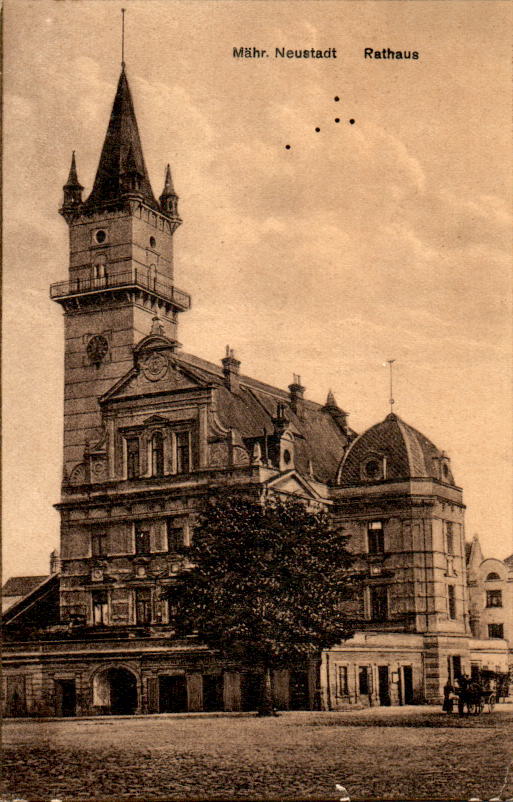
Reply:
x=383, y=753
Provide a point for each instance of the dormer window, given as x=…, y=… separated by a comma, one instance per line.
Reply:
x=132, y=457
x=372, y=468
x=157, y=454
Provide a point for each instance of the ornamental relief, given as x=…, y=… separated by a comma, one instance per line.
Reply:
x=155, y=366
x=218, y=455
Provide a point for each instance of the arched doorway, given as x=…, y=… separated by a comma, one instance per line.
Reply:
x=115, y=692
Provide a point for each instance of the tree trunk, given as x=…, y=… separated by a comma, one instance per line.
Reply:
x=266, y=697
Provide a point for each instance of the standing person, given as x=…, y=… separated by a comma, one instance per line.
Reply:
x=448, y=702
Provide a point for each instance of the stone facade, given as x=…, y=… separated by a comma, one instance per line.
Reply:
x=150, y=430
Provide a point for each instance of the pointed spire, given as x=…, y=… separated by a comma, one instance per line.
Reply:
x=330, y=401
x=168, y=183
x=338, y=414
x=169, y=200
x=121, y=149
x=73, y=177
x=72, y=189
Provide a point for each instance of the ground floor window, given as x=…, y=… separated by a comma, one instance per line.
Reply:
x=365, y=680
x=495, y=630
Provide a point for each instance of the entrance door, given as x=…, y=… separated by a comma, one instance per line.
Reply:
x=173, y=694
x=212, y=692
x=383, y=686
x=123, y=692
x=65, y=697
x=298, y=690
x=408, y=685
x=251, y=691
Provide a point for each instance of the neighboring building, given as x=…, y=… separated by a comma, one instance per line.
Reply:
x=490, y=584
x=148, y=432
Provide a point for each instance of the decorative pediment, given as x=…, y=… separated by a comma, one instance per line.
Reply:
x=156, y=372
x=292, y=483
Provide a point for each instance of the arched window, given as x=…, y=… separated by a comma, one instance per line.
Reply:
x=99, y=266
x=157, y=454
x=493, y=575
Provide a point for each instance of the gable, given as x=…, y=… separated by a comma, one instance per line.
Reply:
x=157, y=373
x=292, y=484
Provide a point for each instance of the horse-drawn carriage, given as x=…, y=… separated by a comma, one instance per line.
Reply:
x=473, y=695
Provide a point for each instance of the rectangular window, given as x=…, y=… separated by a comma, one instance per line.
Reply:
x=379, y=603
x=364, y=680
x=449, y=534
x=495, y=630
x=143, y=606
x=183, y=452
x=343, y=686
x=132, y=456
x=98, y=544
x=376, y=537
x=175, y=534
x=100, y=606
x=494, y=598
x=142, y=539
x=451, y=593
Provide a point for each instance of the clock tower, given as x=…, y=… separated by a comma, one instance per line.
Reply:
x=120, y=285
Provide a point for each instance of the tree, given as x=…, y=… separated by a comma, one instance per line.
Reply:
x=266, y=583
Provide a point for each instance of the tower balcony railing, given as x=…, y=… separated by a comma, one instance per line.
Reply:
x=135, y=278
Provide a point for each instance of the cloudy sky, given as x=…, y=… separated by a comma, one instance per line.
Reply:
x=389, y=238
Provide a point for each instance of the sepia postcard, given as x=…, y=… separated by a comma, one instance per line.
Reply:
x=257, y=383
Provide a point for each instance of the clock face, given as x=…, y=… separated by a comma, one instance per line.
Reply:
x=97, y=348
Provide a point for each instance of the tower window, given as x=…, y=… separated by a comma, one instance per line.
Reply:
x=142, y=539
x=100, y=606
x=495, y=630
x=100, y=236
x=143, y=606
x=449, y=537
x=153, y=242
x=132, y=454
x=183, y=452
x=376, y=537
x=157, y=454
x=494, y=598
x=379, y=603
x=451, y=595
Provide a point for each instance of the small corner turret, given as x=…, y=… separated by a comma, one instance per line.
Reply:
x=72, y=192
x=169, y=200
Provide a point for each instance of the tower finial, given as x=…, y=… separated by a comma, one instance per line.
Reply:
x=123, y=38
x=391, y=399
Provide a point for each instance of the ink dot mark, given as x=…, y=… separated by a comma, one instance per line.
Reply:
x=287, y=147
x=337, y=119
x=352, y=122
x=317, y=129
x=336, y=99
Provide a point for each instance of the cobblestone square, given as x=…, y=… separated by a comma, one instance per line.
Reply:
x=386, y=753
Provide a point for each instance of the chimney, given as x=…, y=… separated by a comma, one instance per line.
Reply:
x=296, y=393
x=231, y=369
x=54, y=562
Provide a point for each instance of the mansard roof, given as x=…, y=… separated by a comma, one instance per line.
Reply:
x=121, y=152
x=250, y=409
x=408, y=454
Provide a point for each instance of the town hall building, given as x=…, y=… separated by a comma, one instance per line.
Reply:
x=150, y=431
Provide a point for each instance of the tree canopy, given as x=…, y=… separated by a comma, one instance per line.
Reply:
x=267, y=581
